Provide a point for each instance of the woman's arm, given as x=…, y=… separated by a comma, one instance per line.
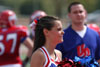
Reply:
x=37, y=59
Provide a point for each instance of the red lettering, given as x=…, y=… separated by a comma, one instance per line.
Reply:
x=82, y=51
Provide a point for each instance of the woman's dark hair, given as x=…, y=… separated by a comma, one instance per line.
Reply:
x=46, y=22
x=73, y=3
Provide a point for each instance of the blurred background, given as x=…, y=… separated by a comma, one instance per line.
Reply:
x=24, y=9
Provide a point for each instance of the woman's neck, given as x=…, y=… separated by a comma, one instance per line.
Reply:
x=51, y=51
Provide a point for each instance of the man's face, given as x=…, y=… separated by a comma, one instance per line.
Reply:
x=77, y=14
x=3, y=24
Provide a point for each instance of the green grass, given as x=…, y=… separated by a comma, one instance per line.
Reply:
x=23, y=57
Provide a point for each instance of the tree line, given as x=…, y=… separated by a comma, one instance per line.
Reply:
x=51, y=7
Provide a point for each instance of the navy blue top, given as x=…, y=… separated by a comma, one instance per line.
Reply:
x=73, y=45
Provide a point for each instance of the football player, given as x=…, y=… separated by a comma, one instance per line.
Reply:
x=34, y=18
x=11, y=37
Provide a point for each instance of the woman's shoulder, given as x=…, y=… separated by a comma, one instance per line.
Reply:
x=38, y=53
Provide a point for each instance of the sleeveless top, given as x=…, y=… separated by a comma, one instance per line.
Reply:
x=49, y=61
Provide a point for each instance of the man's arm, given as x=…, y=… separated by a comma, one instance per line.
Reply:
x=29, y=44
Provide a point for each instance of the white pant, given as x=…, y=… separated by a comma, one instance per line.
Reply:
x=12, y=65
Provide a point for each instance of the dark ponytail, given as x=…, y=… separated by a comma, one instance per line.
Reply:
x=46, y=22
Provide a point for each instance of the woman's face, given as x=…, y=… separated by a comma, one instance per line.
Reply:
x=56, y=33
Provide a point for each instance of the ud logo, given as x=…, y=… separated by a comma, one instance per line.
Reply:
x=82, y=51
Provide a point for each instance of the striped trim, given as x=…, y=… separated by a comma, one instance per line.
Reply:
x=54, y=62
x=47, y=57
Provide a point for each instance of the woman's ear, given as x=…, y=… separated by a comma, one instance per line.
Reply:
x=45, y=31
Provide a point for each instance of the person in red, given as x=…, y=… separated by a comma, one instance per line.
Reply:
x=94, y=27
x=36, y=15
x=11, y=37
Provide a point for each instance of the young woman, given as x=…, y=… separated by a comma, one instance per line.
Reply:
x=48, y=33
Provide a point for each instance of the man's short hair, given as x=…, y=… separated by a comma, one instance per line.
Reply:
x=73, y=3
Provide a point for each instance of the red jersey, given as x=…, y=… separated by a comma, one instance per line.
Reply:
x=10, y=40
x=94, y=27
